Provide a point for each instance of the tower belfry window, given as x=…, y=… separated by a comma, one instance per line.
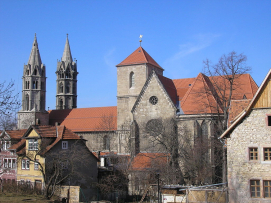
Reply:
x=61, y=88
x=68, y=88
x=27, y=102
x=35, y=84
x=132, y=79
x=35, y=72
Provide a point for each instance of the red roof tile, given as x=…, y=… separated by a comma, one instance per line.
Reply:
x=236, y=107
x=193, y=98
x=16, y=134
x=85, y=119
x=145, y=161
x=139, y=56
x=169, y=87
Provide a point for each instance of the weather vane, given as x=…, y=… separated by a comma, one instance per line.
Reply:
x=140, y=39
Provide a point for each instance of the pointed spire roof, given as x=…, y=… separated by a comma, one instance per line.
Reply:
x=67, y=56
x=34, y=58
x=139, y=56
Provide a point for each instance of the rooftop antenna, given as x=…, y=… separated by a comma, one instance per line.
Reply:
x=140, y=39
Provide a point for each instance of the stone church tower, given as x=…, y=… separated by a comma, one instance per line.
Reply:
x=66, y=83
x=132, y=74
x=33, y=91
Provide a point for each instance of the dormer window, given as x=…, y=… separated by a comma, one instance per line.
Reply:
x=33, y=144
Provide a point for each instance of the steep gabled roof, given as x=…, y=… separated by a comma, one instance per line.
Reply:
x=194, y=93
x=139, y=56
x=201, y=97
x=252, y=104
x=169, y=85
x=84, y=119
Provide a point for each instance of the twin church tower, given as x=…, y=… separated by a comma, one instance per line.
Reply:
x=34, y=87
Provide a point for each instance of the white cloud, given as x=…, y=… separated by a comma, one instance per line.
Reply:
x=200, y=41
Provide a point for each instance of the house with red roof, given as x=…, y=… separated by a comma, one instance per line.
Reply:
x=44, y=151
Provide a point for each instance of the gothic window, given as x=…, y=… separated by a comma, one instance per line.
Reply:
x=106, y=142
x=68, y=88
x=68, y=74
x=27, y=102
x=27, y=72
x=35, y=84
x=132, y=79
x=204, y=129
x=61, y=73
x=26, y=84
x=60, y=104
x=35, y=72
x=154, y=127
x=61, y=88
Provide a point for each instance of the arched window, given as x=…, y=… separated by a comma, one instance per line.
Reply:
x=35, y=85
x=68, y=74
x=204, y=129
x=132, y=79
x=68, y=88
x=60, y=104
x=61, y=88
x=27, y=102
x=35, y=72
x=27, y=72
x=106, y=142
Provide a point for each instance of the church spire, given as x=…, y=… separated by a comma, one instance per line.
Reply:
x=67, y=56
x=34, y=58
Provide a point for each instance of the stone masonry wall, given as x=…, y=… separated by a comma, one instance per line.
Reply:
x=252, y=132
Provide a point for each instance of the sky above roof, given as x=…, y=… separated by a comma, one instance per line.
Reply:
x=178, y=35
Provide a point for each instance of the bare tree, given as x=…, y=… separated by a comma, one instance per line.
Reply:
x=8, y=122
x=224, y=76
x=8, y=99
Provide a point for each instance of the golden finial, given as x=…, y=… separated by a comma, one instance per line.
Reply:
x=140, y=39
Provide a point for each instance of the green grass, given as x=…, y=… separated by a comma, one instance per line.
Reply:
x=13, y=197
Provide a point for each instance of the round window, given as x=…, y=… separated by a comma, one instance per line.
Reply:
x=153, y=100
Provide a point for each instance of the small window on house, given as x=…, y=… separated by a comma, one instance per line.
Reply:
x=25, y=164
x=33, y=144
x=64, y=144
x=255, y=188
x=36, y=166
x=267, y=188
x=267, y=154
x=269, y=120
x=106, y=142
x=253, y=153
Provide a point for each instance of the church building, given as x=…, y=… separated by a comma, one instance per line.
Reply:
x=154, y=113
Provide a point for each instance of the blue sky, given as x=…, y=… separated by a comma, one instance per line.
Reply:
x=179, y=35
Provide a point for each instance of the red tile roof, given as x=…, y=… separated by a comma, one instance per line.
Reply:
x=195, y=101
x=139, y=56
x=85, y=119
x=169, y=87
x=236, y=107
x=16, y=134
x=145, y=161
